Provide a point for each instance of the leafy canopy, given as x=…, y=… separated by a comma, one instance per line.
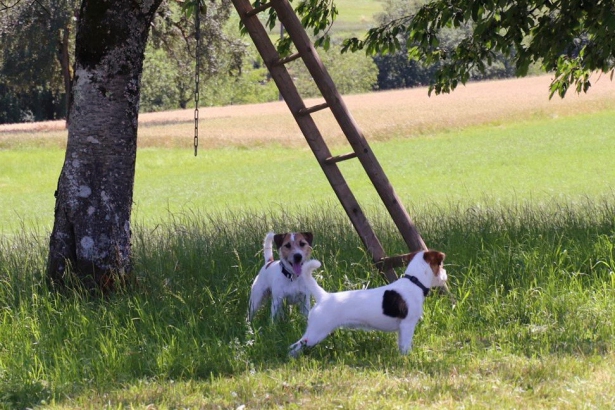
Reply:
x=573, y=38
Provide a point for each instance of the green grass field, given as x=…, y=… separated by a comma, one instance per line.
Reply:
x=561, y=159
x=356, y=17
x=530, y=324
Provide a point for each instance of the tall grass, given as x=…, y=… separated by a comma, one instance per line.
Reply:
x=532, y=285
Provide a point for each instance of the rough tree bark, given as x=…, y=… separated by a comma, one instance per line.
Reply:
x=91, y=237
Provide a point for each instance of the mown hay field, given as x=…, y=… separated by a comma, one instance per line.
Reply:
x=380, y=115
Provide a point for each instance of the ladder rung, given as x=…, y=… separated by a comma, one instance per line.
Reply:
x=340, y=158
x=306, y=111
x=258, y=9
x=288, y=59
x=394, y=261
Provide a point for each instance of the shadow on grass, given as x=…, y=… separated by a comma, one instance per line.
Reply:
x=528, y=282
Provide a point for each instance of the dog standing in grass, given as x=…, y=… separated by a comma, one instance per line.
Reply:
x=282, y=280
x=397, y=306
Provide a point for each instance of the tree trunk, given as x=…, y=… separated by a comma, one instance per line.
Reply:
x=64, y=58
x=91, y=237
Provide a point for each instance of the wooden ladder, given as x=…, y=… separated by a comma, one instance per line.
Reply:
x=335, y=103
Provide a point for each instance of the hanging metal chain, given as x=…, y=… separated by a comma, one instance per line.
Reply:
x=197, y=36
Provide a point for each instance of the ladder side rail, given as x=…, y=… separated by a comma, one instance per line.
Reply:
x=327, y=87
x=311, y=132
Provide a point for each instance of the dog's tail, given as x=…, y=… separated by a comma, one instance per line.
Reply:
x=315, y=289
x=268, y=247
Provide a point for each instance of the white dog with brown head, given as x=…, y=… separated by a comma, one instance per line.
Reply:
x=396, y=307
x=282, y=279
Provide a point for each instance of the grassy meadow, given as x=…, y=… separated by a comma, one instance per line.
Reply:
x=497, y=141
x=516, y=189
x=354, y=18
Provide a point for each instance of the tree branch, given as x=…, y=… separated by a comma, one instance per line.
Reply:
x=4, y=6
x=43, y=7
x=9, y=6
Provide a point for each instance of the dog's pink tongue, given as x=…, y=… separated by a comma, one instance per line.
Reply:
x=297, y=268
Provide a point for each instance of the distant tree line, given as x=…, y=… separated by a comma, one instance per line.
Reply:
x=37, y=43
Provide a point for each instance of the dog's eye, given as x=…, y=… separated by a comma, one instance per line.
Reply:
x=287, y=245
x=302, y=243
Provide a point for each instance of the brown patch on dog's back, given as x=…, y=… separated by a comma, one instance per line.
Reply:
x=394, y=305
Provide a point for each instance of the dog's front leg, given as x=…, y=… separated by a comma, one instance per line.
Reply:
x=305, y=305
x=277, y=308
x=405, y=334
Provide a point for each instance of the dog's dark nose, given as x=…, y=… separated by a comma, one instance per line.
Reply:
x=297, y=258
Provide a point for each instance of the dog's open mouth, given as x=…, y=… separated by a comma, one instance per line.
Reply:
x=296, y=267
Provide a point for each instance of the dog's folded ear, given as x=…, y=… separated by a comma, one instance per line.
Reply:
x=434, y=257
x=309, y=237
x=278, y=239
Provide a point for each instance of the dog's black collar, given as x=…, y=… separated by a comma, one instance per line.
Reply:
x=287, y=273
x=418, y=283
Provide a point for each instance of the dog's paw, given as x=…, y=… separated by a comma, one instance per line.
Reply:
x=310, y=266
x=295, y=349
